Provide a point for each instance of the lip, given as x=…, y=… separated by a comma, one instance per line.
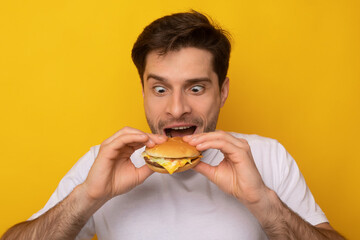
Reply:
x=179, y=125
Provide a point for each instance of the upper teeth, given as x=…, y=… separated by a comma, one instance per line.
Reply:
x=179, y=128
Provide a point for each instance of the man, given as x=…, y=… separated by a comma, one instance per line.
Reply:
x=246, y=187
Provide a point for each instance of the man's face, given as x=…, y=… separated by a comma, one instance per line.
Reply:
x=181, y=92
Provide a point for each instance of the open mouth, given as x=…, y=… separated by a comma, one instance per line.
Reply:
x=179, y=131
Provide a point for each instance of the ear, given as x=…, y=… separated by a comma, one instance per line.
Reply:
x=224, y=91
x=142, y=88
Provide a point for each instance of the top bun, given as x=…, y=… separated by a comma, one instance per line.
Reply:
x=173, y=148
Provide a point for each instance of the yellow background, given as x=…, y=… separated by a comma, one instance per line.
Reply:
x=67, y=83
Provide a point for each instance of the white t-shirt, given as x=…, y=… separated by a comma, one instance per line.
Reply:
x=187, y=205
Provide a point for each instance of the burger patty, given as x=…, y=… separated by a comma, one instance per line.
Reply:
x=152, y=163
x=155, y=164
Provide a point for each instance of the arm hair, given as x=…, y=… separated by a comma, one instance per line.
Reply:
x=63, y=221
x=280, y=222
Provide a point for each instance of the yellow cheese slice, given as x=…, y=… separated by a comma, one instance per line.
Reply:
x=172, y=166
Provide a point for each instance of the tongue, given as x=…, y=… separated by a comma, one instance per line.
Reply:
x=182, y=132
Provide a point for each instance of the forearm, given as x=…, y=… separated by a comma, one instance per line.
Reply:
x=63, y=221
x=280, y=222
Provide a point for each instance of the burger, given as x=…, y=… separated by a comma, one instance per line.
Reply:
x=174, y=155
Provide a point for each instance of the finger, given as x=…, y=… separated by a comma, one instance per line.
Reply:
x=224, y=146
x=155, y=139
x=143, y=173
x=188, y=138
x=218, y=135
x=132, y=140
x=206, y=170
x=124, y=130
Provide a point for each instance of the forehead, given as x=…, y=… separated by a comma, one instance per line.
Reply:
x=186, y=63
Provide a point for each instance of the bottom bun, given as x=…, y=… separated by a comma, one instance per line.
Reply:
x=180, y=169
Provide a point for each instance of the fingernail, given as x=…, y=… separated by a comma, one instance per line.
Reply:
x=162, y=137
x=193, y=139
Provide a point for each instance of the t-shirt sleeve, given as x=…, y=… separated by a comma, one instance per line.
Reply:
x=293, y=190
x=74, y=177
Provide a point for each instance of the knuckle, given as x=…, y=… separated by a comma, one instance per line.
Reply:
x=245, y=142
x=126, y=128
x=103, y=144
x=247, y=147
x=220, y=134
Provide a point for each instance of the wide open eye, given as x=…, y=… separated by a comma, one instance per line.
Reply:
x=197, y=89
x=159, y=90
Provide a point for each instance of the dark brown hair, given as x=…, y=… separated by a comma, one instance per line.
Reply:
x=179, y=30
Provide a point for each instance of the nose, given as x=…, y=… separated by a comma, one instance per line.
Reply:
x=177, y=105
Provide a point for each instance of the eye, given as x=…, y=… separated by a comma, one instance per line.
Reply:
x=159, y=90
x=197, y=89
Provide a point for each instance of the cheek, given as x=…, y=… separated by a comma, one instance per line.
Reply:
x=153, y=106
x=208, y=106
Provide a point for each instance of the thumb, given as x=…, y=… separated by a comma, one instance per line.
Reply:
x=206, y=170
x=143, y=173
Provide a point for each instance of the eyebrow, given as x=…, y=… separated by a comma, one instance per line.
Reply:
x=188, y=81
x=156, y=77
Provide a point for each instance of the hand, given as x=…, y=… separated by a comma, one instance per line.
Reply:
x=113, y=173
x=237, y=173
